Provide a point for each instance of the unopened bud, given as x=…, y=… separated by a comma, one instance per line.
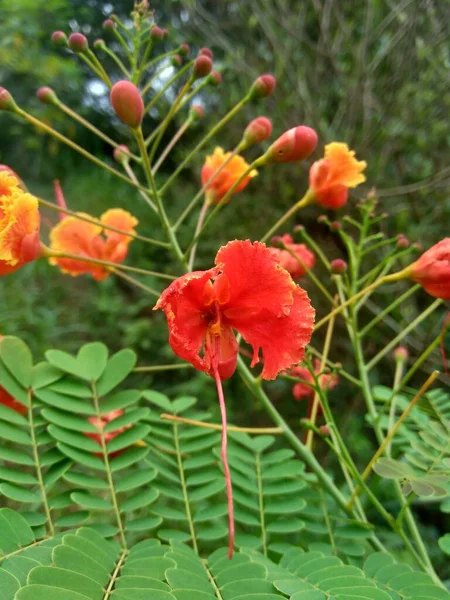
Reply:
x=59, y=38
x=176, y=60
x=7, y=101
x=127, y=103
x=257, y=131
x=338, y=266
x=294, y=145
x=202, y=66
x=277, y=241
x=324, y=430
x=335, y=226
x=402, y=241
x=99, y=44
x=299, y=228
x=215, y=78
x=165, y=32
x=47, y=95
x=417, y=246
x=184, y=49
x=156, y=33
x=109, y=25
x=121, y=154
x=322, y=219
x=206, y=52
x=263, y=86
x=78, y=42
x=196, y=112
x=401, y=354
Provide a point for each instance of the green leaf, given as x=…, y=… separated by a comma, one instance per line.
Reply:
x=12, y=416
x=159, y=400
x=143, y=498
x=17, y=476
x=128, y=438
x=179, y=578
x=444, y=543
x=72, y=519
x=72, y=387
x=137, y=594
x=127, y=458
x=75, y=439
x=86, y=481
x=66, y=403
x=67, y=363
x=129, y=418
x=118, y=367
x=73, y=559
x=67, y=580
x=12, y=386
x=19, y=494
x=120, y=400
x=17, y=357
x=393, y=469
x=84, y=458
x=44, y=374
x=90, y=501
x=68, y=420
x=137, y=582
x=181, y=405
x=9, y=584
x=286, y=526
x=47, y=592
x=92, y=359
x=144, y=524
x=154, y=568
x=134, y=480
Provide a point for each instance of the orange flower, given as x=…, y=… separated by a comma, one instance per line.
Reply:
x=227, y=177
x=331, y=177
x=74, y=236
x=19, y=225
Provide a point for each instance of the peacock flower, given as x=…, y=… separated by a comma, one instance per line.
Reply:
x=100, y=423
x=297, y=259
x=19, y=224
x=432, y=270
x=90, y=240
x=331, y=177
x=305, y=389
x=220, y=184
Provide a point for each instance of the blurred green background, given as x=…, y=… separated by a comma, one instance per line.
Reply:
x=372, y=73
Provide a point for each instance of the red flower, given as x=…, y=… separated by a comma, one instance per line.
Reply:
x=100, y=425
x=297, y=267
x=306, y=390
x=432, y=270
x=247, y=291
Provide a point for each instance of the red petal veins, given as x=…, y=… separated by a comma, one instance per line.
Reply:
x=257, y=283
x=184, y=303
x=282, y=339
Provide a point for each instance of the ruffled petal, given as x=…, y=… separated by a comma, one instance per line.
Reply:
x=19, y=218
x=116, y=247
x=185, y=303
x=283, y=338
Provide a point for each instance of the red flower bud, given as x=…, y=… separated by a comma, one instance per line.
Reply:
x=402, y=241
x=215, y=78
x=78, y=42
x=59, y=38
x=156, y=33
x=206, y=52
x=202, y=66
x=127, y=103
x=257, y=130
x=338, y=266
x=184, y=49
x=432, y=270
x=263, y=86
x=335, y=226
x=196, y=112
x=322, y=219
x=176, y=60
x=121, y=153
x=47, y=95
x=324, y=430
x=99, y=44
x=401, y=354
x=166, y=33
x=109, y=25
x=295, y=144
x=7, y=101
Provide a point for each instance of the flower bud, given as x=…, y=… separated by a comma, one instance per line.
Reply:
x=46, y=95
x=59, y=38
x=402, y=241
x=257, y=131
x=324, y=430
x=121, y=154
x=277, y=241
x=322, y=219
x=184, y=49
x=263, y=86
x=338, y=266
x=215, y=78
x=127, y=103
x=78, y=42
x=418, y=246
x=335, y=226
x=156, y=33
x=294, y=145
x=196, y=112
x=401, y=354
x=109, y=25
x=176, y=60
x=206, y=52
x=7, y=101
x=299, y=228
x=202, y=67
x=165, y=32
x=99, y=44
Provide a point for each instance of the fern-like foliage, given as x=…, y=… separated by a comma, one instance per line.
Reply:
x=83, y=565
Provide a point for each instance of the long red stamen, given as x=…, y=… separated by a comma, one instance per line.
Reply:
x=60, y=200
x=226, y=468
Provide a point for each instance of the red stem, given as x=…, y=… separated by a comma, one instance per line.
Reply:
x=226, y=468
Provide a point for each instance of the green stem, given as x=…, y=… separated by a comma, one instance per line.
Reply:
x=136, y=283
x=261, y=503
x=393, y=343
x=308, y=198
x=162, y=213
x=123, y=43
x=154, y=368
x=178, y=135
x=399, y=368
x=171, y=81
x=310, y=242
x=94, y=69
x=184, y=487
x=126, y=165
x=198, y=228
x=388, y=309
x=99, y=66
x=206, y=139
x=37, y=464
x=117, y=60
x=113, y=580
x=108, y=469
